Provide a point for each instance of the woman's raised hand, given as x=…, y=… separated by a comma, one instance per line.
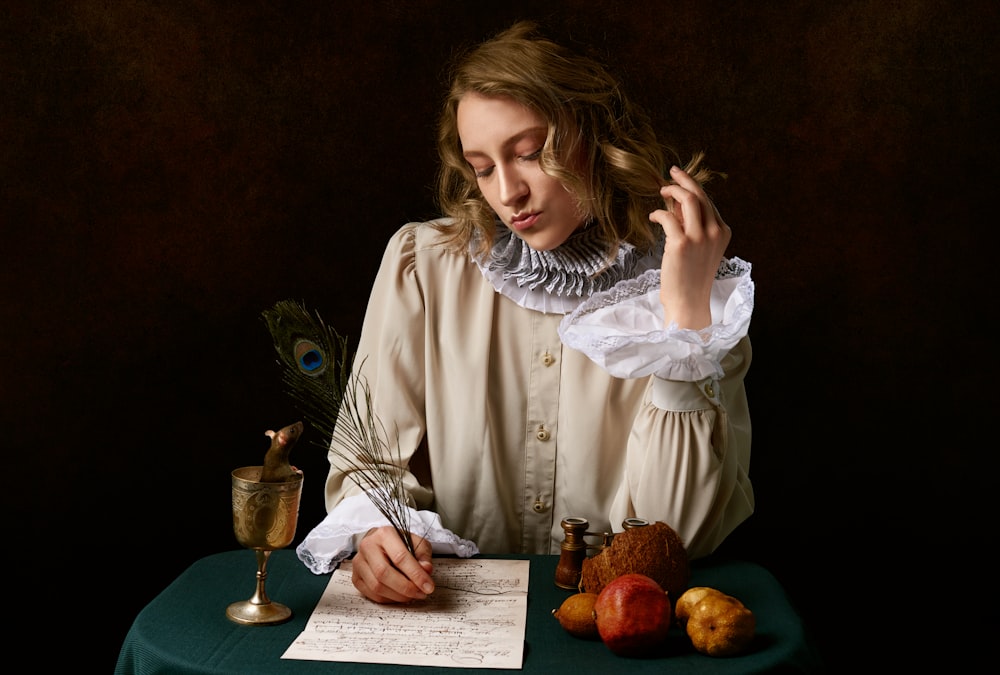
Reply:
x=697, y=238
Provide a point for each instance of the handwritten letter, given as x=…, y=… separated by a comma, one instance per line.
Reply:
x=474, y=619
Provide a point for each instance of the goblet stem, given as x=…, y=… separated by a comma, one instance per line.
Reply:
x=260, y=595
x=259, y=610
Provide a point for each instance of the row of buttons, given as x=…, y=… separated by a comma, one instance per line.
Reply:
x=542, y=433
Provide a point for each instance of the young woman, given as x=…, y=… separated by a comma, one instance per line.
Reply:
x=568, y=341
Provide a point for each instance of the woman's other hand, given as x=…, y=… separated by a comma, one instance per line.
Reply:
x=697, y=238
x=385, y=571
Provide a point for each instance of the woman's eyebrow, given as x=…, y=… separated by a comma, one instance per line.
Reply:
x=513, y=140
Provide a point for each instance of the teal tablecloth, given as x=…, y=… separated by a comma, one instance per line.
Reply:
x=185, y=628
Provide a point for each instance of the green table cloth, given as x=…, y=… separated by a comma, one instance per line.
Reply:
x=185, y=629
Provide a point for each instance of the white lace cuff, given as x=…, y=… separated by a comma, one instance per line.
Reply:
x=333, y=540
x=622, y=331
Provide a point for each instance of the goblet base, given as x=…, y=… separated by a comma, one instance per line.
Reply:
x=249, y=613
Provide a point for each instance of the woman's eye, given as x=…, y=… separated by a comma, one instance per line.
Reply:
x=488, y=171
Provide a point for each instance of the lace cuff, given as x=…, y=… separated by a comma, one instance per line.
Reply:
x=622, y=331
x=332, y=541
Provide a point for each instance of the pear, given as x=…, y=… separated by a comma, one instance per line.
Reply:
x=719, y=624
x=689, y=600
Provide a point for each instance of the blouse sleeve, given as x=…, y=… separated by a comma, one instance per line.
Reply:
x=688, y=455
x=389, y=362
x=392, y=335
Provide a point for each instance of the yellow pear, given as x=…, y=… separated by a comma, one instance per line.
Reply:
x=688, y=600
x=720, y=625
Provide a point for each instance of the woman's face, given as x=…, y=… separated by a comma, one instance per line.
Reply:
x=502, y=142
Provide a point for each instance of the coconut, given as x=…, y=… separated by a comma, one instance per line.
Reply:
x=655, y=550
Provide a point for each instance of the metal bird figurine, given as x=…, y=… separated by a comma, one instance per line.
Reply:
x=277, y=468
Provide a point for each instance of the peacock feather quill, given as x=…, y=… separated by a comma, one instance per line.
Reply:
x=317, y=373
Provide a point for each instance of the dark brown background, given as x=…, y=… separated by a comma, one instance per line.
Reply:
x=169, y=170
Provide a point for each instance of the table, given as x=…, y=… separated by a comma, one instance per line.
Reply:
x=185, y=629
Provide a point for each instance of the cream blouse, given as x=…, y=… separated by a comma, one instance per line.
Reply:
x=511, y=419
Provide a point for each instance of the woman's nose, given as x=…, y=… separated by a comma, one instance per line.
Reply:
x=513, y=187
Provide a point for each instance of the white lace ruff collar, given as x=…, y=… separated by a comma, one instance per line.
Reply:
x=557, y=281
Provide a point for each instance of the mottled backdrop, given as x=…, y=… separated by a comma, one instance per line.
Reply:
x=168, y=170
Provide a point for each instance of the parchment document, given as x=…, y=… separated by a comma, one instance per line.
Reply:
x=474, y=619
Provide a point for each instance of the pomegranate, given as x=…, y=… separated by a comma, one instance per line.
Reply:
x=633, y=615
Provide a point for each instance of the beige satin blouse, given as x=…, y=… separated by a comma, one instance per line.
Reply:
x=506, y=431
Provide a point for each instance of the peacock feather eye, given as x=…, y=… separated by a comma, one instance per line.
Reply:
x=315, y=363
x=309, y=357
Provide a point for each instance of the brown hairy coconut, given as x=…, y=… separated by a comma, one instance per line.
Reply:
x=655, y=550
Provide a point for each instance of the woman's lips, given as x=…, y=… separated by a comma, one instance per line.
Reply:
x=523, y=222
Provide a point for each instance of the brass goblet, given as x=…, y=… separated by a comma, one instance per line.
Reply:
x=264, y=519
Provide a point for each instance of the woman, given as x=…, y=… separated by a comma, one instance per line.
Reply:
x=568, y=341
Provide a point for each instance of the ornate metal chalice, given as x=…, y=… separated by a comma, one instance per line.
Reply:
x=265, y=515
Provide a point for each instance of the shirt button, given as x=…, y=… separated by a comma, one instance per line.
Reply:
x=548, y=359
x=542, y=434
x=539, y=506
x=709, y=390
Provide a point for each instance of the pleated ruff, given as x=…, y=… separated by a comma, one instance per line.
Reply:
x=557, y=281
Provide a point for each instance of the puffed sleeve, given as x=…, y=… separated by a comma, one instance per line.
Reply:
x=389, y=361
x=688, y=455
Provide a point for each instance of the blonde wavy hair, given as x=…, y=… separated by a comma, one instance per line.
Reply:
x=599, y=145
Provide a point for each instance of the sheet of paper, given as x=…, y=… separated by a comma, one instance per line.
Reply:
x=474, y=619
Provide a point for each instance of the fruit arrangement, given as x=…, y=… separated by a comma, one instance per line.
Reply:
x=632, y=615
x=626, y=600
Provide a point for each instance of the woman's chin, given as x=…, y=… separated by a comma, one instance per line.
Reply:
x=541, y=241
